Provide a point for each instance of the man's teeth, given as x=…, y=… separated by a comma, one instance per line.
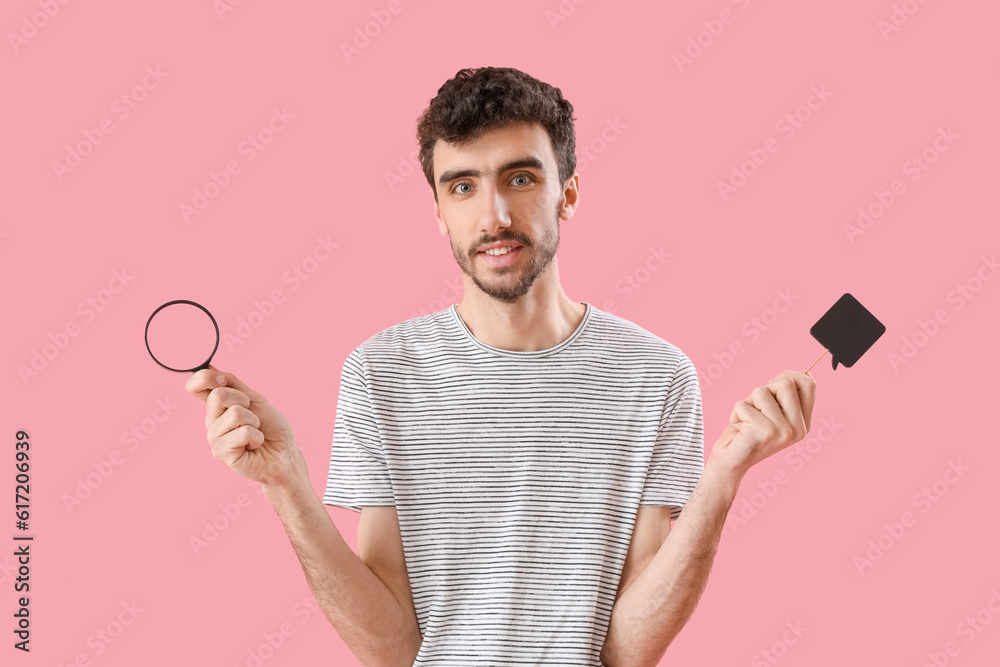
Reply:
x=499, y=251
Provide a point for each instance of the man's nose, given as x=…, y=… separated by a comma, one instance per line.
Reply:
x=494, y=213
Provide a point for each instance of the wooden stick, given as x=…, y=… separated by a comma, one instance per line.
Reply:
x=806, y=371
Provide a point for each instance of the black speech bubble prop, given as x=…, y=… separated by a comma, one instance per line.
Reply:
x=183, y=370
x=846, y=331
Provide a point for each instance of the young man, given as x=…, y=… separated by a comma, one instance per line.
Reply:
x=516, y=458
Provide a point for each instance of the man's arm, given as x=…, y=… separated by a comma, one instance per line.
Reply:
x=252, y=438
x=654, y=608
x=657, y=604
x=365, y=612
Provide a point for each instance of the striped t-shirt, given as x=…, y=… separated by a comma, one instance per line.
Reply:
x=516, y=476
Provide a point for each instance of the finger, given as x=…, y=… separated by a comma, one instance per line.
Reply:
x=202, y=382
x=786, y=393
x=233, y=445
x=762, y=399
x=736, y=423
x=233, y=418
x=231, y=380
x=256, y=439
x=749, y=414
x=806, y=387
x=745, y=418
x=746, y=414
x=220, y=399
x=734, y=417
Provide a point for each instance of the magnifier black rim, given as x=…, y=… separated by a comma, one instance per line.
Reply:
x=186, y=370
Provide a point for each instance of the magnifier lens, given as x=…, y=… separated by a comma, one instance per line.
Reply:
x=181, y=336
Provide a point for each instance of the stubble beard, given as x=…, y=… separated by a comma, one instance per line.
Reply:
x=492, y=280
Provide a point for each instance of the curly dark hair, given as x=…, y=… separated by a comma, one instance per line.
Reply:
x=478, y=100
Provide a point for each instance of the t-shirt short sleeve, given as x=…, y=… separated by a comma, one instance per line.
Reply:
x=358, y=474
x=679, y=452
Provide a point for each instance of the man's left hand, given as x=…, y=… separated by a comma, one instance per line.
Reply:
x=771, y=418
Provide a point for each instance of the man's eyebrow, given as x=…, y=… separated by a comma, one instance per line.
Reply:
x=520, y=163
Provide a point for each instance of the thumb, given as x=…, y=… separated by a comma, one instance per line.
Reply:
x=231, y=380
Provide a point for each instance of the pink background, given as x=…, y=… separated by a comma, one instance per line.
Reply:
x=650, y=182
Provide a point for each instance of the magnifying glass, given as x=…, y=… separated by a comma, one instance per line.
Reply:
x=181, y=333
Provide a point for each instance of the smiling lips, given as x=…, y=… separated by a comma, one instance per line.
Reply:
x=498, y=244
x=499, y=250
x=502, y=259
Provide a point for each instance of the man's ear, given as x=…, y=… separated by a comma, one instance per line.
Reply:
x=570, y=198
x=442, y=226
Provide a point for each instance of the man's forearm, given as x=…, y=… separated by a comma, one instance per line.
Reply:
x=653, y=609
x=363, y=610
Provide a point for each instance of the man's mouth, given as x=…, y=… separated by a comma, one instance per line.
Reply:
x=501, y=256
x=502, y=250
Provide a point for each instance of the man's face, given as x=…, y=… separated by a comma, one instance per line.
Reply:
x=502, y=187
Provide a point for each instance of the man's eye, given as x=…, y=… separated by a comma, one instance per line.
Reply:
x=527, y=180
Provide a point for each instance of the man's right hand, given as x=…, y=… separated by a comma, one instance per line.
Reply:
x=246, y=432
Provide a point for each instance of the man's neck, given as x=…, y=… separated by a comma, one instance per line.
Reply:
x=527, y=325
